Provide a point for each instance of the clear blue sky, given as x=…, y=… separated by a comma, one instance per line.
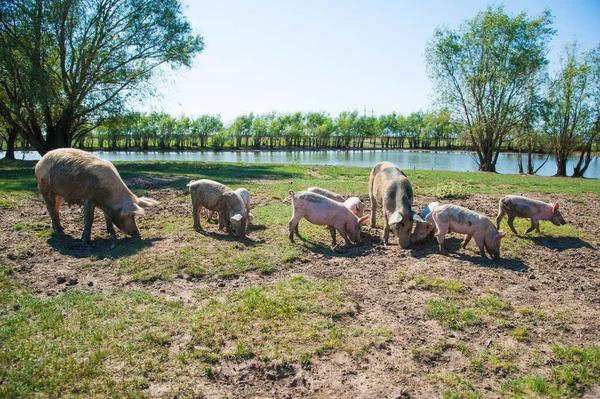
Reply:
x=321, y=55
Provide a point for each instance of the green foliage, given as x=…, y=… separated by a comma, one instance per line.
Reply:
x=483, y=70
x=108, y=52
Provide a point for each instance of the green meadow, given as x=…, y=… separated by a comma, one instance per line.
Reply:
x=123, y=341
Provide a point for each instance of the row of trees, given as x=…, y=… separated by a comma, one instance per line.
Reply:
x=273, y=130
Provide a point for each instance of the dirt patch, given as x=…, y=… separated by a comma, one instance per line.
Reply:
x=559, y=274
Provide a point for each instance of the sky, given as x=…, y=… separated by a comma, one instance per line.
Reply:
x=332, y=56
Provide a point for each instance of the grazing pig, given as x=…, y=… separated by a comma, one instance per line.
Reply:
x=517, y=206
x=355, y=205
x=81, y=178
x=389, y=186
x=453, y=218
x=215, y=196
x=326, y=193
x=426, y=229
x=323, y=211
x=245, y=197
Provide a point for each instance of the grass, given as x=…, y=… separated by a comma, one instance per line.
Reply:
x=429, y=283
x=121, y=343
x=117, y=344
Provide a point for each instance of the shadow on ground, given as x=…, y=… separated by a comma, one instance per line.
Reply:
x=99, y=247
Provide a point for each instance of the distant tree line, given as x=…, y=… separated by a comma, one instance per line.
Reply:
x=349, y=129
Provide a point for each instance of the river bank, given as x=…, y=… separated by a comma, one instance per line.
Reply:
x=405, y=159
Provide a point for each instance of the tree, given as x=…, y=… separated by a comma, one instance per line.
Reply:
x=68, y=64
x=413, y=126
x=571, y=119
x=482, y=72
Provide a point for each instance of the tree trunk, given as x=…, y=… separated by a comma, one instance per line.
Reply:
x=561, y=166
x=10, y=145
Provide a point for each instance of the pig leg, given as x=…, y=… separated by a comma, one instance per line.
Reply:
x=386, y=231
x=466, y=240
x=53, y=204
x=501, y=214
x=535, y=225
x=333, y=240
x=293, y=225
x=510, y=221
x=110, y=227
x=373, y=210
x=88, y=218
x=479, y=240
x=196, y=213
x=441, y=236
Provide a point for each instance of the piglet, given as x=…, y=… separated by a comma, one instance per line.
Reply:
x=215, y=196
x=453, y=218
x=323, y=211
x=245, y=197
x=427, y=228
x=517, y=206
x=326, y=193
x=355, y=205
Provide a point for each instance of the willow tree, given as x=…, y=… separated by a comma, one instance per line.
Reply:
x=572, y=119
x=68, y=64
x=482, y=70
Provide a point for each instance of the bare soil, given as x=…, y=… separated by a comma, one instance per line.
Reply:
x=557, y=274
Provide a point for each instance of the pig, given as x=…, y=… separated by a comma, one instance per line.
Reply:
x=81, y=178
x=453, y=218
x=245, y=197
x=426, y=229
x=323, y=211
x=355, y=205
x=389, y=186
x=326, y=193
x=215, y=196
x=517, y=206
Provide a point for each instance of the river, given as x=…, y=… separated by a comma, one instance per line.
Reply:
x=406, y=159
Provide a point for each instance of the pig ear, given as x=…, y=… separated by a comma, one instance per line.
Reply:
x=500, y=235
x=555, y=208
x=395, y=218
x=362, y=219
x=126, y=207
x=417, y=217
x=146, y=202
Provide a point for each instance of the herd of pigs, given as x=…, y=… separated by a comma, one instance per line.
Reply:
x=79, y=177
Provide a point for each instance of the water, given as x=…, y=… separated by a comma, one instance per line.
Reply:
x=405, y=159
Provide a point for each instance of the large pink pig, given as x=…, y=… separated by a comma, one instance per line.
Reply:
x=81, y=178
x=516, y=206
x=454, y=218
x=323, y=211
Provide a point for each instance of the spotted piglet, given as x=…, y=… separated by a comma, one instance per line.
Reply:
x=453, y=218
x=516, y=206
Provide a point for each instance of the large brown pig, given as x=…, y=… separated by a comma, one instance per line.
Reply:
x=453, y=218
x=81, y=178
x=323, y=211
x=215, y=196
x=390, y=187
x=517, y=206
